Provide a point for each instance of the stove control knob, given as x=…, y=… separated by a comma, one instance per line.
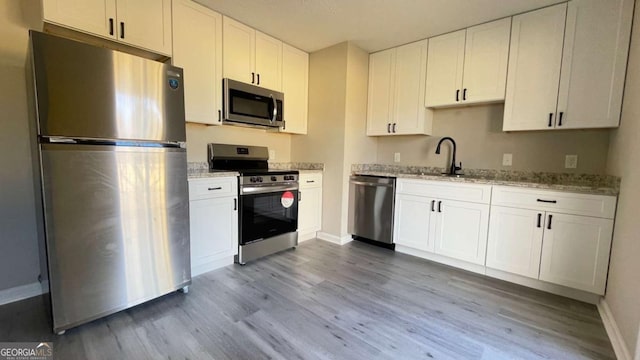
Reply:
x=253, y=179
x=259, y=178
x=273, y=178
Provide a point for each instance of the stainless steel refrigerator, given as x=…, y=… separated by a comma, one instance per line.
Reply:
x=109, y=133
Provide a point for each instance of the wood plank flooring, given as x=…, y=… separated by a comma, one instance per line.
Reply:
x=324, y=301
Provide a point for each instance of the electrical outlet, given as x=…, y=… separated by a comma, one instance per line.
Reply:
x=396, y=157
x=507, y=159
x=272, y=155
x=571, y=161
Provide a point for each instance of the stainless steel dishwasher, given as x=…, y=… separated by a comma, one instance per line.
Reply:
x=371, y=207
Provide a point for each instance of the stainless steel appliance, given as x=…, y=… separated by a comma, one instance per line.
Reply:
x=371, y=208
x=111, y=166
x=249, y=105
x=268, y=216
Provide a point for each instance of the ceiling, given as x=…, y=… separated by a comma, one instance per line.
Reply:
x=371, y=24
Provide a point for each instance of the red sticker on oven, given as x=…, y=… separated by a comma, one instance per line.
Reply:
x=287, y=199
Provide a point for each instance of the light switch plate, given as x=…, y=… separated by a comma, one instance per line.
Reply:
x=272, y=155
x=507, y=159
x=396, y=157
x=571, y=161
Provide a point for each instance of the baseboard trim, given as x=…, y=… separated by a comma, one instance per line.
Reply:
x=610, y=325
x=333, y=238
x=306, y=236
x=20, y=293
x=205, y=267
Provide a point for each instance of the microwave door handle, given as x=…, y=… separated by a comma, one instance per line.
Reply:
x=275, y=109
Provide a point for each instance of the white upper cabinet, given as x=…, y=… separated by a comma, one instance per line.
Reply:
x=534, y=69
x=594, y=63
x=295, y=86
x=145, y=23
x=468, y=66
x=251, y=56
x=141, y=23
x=197, y=48
x=97, y=17
x=578, y=85
x=396, y=91
x=444, y=69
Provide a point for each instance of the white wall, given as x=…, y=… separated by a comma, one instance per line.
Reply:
x=481, y=142
x=19, y=263
x=623, y=288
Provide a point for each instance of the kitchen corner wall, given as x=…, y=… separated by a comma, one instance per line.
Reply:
x=623, y=287
x=19, y=264
x=338, y=78
x=198, y=136
x=481, y=142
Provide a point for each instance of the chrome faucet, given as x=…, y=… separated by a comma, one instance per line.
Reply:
x=454, y=168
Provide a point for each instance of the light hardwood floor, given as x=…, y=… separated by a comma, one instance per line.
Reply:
x=324, y=301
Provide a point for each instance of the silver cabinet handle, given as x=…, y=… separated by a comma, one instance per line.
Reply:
x=275, y=109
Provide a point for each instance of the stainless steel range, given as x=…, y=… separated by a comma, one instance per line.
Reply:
x=268, y=207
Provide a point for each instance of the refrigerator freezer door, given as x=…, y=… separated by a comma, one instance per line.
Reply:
x=85, y=91
x=117, y=226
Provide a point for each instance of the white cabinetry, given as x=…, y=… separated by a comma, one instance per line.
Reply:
x=446, y=219
x=310, y=205
x=141, y=23
x=295, y=86
x=468, y=66
x=396, y=91
x=197, y=35
x=568, y=79
x=213, y=216
x=557, y=237
x=251, y=56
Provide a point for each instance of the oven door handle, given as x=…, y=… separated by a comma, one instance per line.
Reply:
x=247, y=190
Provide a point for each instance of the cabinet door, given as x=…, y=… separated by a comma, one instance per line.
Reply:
x=268, y=62
x=594, y=63
x=412, y=222
x=310, y=210
x=295, y=86
x=197, y=48
x=379, y=106
x=145, y=23
x=575, y=251
x=410, y=72
x=534, y=69
x=515, y=240
x=92, y=16
x=461, y=230
x=485, y=62
x=238, y=51
x=444, y=69
x=214, y=231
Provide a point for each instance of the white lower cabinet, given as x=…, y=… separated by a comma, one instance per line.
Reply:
x=575, y=251
x=451, y=228
x=461, y=230
x=557, y=237
x=309, y=205
x=412, y=222
x=515, y=241
x=213, y=223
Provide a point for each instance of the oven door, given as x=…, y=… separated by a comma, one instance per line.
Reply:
x=265, y=213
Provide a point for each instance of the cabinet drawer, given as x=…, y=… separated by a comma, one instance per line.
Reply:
x=563, y=202
x=446, y=190
x=308, y=180
x=212, y=187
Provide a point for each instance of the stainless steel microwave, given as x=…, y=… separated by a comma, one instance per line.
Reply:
x=245, y=104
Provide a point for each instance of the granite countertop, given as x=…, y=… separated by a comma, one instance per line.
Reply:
x=579, y=183
x=199, y=170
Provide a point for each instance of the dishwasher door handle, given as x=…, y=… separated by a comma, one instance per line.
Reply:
x=363, y=183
